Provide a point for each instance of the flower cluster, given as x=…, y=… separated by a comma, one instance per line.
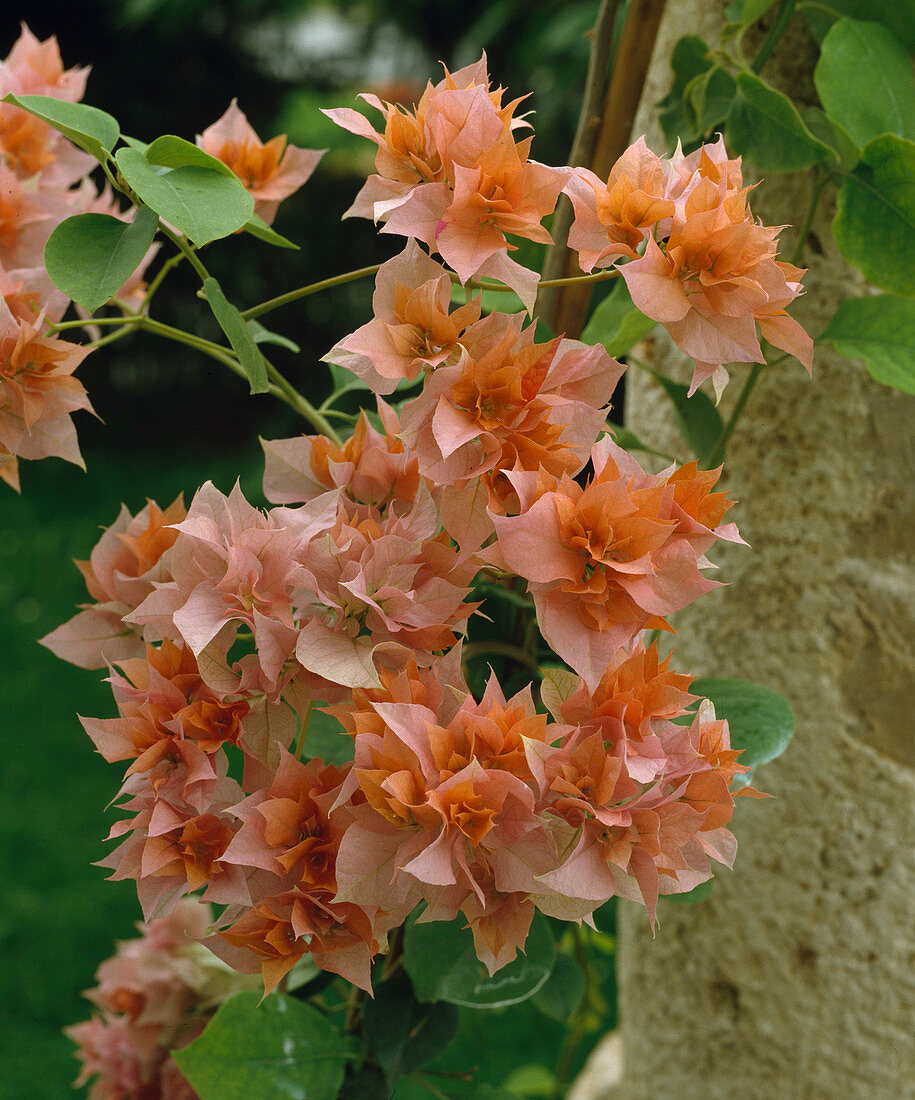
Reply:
x=43, y=180
x=452, y=174
x=231, y=631
x=154, y=996
x=691, y=253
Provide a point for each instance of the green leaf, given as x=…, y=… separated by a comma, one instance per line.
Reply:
x=257, y=227
x=171, y=151
x=616, y=323
x=763, y=125
x=563, y=990
x=881, y=331
x=629, y=441
x=238, y=334
x=690, y=58
x=761, y=721
x=90, y=256
x=326, y=738
x=707, y=99
x=530, y=1081
x=832, y=134
x=698, y=893
x=874, y=224
x=697, y=418
x=201, y=202
x=344, y=380
x=263, y=335
x=403, y=1034
x=864, y=80
x=443, y=966
x=898, y=16
x=88, y=127
x=279, y=1048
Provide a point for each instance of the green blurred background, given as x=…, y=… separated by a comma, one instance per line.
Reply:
x=170, y=420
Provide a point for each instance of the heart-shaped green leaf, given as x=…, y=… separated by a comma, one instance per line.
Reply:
x=202, y=202
x=90, y=256
x=88, y=127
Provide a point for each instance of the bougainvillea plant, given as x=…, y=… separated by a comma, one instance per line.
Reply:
x=341, y=821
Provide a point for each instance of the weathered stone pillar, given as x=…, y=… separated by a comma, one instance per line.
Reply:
x=795, y=980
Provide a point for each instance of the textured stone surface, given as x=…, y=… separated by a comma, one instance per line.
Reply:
x=795, y=979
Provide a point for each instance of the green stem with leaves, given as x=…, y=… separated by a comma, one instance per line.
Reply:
x=716, y=457
x=776, y=30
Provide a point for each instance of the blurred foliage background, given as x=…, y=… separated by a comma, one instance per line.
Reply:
x=170, y=420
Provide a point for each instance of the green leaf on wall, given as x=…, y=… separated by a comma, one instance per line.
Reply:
x=616, y=323
x=865, y=82
x=764, y=126
x=697, y=417
x=761, y=720
x=874, y=224
x=881, y=331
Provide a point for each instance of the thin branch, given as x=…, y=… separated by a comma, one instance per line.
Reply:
x=630, y=68
x=583, y=145
x=308, y=289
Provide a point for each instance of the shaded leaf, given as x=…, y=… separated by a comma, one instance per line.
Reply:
x=403, y=1034
x=761, y=720
x=881, y=331
x=616, y=323
x=90, y=256
x=707, y=99
x=699, y=421
x=201, y=202
x=562, y=992
x=764, y=126
x=629, y=441
x=832, y=134
x=898, y=16
x=443, y=966
x=279, y=1048
x=864, y=80
x=874, y=224
x=690, y=58
x=326, y=738
x=239, y=336
x=91, y=129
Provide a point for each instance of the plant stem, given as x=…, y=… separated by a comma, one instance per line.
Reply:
x=579, y=1023
x=630, y=67
x=354, y=1009
x=428, y=1086
x=717, y=455
x=169, y=264
x=804, y=231
x=502, y=649
x=300, y=743
x=186, y=250
x=301, y=404
x=773, y=35
x=585, y=135
x=309, y=288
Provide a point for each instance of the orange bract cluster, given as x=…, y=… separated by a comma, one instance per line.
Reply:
x=234, y=632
